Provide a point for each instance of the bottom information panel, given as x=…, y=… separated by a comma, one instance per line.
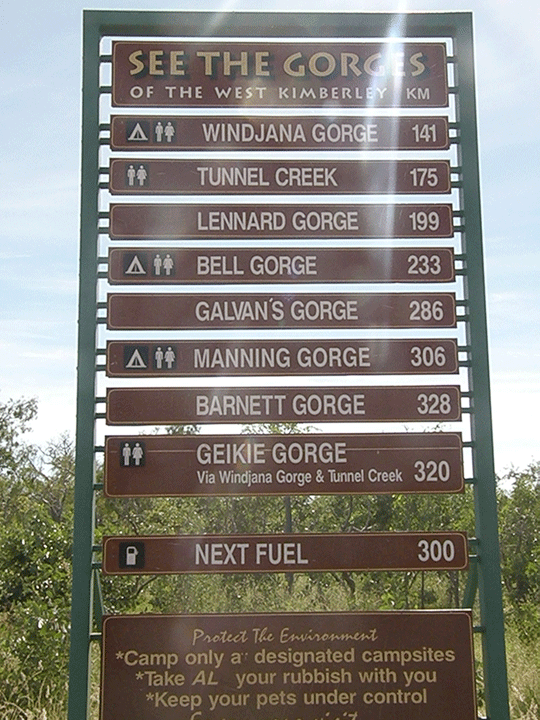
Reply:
x=316, y=666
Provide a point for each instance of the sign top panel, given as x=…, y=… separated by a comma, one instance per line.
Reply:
x=269, y=74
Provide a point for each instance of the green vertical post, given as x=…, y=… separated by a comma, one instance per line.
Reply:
x=82, y=600
x=489, y=574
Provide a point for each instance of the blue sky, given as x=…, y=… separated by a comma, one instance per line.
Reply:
x=40, y=75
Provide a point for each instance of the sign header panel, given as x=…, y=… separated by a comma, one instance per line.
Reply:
x=168, y=406
x=270, y=74
x=145, y=311
x=284, y=553
x=192, y=358
x=142, y=176
x=314, y=221
x=172, y=265
x=314, y=464
x=303, y=666
x=171, y=132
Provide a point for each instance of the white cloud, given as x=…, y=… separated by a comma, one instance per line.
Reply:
x=516, y=427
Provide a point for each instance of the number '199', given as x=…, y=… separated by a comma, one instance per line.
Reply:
x=422, y=220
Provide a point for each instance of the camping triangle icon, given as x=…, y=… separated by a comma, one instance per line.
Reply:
x=137, y=134
x=135, y=267
x=136, y=362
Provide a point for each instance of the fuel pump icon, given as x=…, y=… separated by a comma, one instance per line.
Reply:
x=131, y=555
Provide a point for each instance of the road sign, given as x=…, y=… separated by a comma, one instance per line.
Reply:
x=270, y=74
x=313, y=221
x=144, y=311
x=222, y=132
x=314, y=464
x=165, y=406
x=191, y=358
x=284, y=553
x=278, y=177
x=353, y=69
x=171, y=265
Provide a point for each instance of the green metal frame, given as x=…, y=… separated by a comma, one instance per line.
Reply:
x=86, y=595
x=488, y=568
x=82, y=614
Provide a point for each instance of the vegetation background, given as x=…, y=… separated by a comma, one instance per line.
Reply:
x=36, y=515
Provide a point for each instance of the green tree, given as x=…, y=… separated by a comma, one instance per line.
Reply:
x=15, y=417
x=35, y=565
x=519, y=515
x=36, y=506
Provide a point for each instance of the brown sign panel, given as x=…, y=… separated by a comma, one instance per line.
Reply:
x=171, y=265
x=138, y=176
x=144, y=311
x=205, y=222
x=310, y=464
x=169, y=406
x=304, y=666
x=192, y=358
x=171, y=132
x=281, y=553
x=269, y=74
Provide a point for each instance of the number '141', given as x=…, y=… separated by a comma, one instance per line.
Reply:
x=425, y=133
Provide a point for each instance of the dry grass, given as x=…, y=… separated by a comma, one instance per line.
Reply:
x=523, y=658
